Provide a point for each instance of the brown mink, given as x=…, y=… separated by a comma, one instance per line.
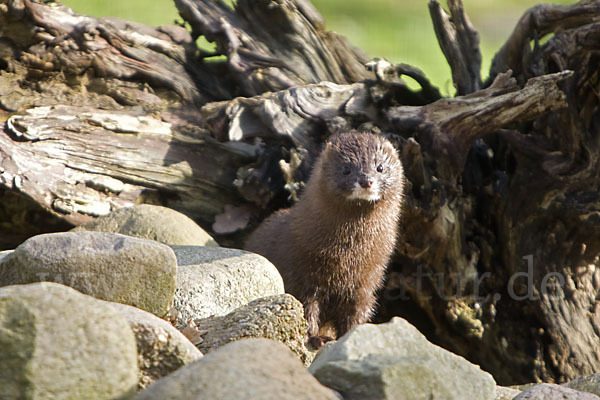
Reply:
x=332, y=247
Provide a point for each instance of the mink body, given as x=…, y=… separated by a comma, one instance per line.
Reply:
x=332, y=247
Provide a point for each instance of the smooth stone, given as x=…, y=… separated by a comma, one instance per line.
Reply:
x=395, y=361
x=147, y=221
x=108, y=266
x=215, y=281
x=245, y=369
x=56, y=343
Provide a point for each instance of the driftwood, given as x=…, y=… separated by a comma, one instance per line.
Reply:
x=501, y=229
x=460, y=43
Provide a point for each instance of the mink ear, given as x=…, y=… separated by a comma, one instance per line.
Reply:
x=326, y=150
x=328, y=147
x=388, y=146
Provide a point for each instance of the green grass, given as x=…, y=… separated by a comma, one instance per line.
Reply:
x=400, y=31
x=154, y=13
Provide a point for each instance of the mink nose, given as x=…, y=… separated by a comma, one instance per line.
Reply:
x=365, y=182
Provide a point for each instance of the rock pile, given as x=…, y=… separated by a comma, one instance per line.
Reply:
x=93, y=314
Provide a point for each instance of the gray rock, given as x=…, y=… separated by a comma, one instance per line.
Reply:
x=279, y=317
x=56, y=343
x=215, y=281
x=246, y=369
x=108, y=266
x=146, y=221
x=548, y=391
x=590, y=384
x=162, y=349
x=395, y=361
x=506, y=393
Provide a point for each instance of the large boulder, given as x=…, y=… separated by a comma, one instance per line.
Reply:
x=395, y=361
x=56, y=343
x=162, y=349
x=216, y=281
x=108, y=266
x=279, y=317
x=146, y=221
x=246, y=369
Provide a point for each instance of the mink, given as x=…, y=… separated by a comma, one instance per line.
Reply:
x=332, y=247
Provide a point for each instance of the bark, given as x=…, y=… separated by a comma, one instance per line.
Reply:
x=524, y=219
x=500, y=235
x=460, y=43
x=273, y=46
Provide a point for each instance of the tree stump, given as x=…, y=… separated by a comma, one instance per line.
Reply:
x=500, y=238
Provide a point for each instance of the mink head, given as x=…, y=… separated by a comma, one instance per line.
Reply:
x=361, y=167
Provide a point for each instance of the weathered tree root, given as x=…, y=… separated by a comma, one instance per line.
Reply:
x=99, y=114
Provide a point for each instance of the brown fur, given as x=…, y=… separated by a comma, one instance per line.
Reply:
x=331, y=249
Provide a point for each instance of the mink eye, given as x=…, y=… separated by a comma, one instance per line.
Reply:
x=380, y=168
x=346, y=170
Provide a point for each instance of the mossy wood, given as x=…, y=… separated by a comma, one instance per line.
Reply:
x=101, y=113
